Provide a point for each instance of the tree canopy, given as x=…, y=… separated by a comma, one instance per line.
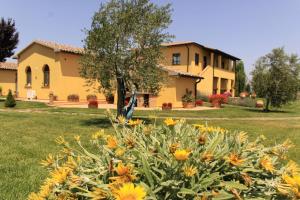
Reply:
x=9, y=38
x=276, y=77
x=122, y=47
x=240, y=80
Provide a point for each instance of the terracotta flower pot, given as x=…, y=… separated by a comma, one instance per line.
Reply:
x=188, y=104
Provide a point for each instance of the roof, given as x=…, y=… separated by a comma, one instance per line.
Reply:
x=179, y=73
x=57, y=47
x=8, y=66
x=200, y=45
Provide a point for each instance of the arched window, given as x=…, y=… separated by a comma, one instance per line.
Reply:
x=46, y=71
x=28, y=76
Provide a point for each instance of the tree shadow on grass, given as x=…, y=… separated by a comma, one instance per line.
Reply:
x=262, y=111
x=97, y=122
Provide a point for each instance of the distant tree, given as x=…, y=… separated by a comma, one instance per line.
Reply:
x=240, y=80
x=122, y=47
x=248, y=88
x=276, y=78
x=10, y=101
x=9, y=38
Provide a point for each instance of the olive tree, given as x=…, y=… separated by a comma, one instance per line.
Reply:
x=123, y=47
x=276, y=78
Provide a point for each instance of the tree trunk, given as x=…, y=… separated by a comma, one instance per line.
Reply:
x=121, y=92
x=267, y=105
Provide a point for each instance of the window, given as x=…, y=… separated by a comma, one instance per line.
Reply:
x=223, y=65
x=204, y=62
x=46, y=71
x=196, y=59
x=176, y=59
x=28, y=76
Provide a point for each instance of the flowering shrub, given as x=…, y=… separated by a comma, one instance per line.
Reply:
x=199, y=102
x=174, y=160
x=217, y=99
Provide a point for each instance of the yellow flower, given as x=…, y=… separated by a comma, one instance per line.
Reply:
x=147, y=130
x=60, y=174
x=135, y=122
x=170, y=122
x=120, y=152
x=267, y=164
x=129, y=192
x=289, y=180
x=181, y=155
x=234, y=159
x=242, y=137
x=77, y=138
x=292, y=167
x=98, y=135
x=98, y=194
x=123, y=170
x=111, y=142
x=122, y=119
x=48, y=161
x=34, y=196
x=199, y=126
x=46, y=189
x=189, y=171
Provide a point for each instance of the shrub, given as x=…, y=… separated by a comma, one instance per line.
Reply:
x=217, y=99
x=166, y=106
x=93, y=104
x=174, y=160
x=199, y=102
x=73, y=98
x=10, y=101
x=91, y=97
x=227, y=94
x=203, y=98
x=246, y=102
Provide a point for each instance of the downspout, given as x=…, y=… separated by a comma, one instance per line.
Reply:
x=197, y=82
x=188, y=58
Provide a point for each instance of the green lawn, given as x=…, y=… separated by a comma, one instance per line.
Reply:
x=26, y=138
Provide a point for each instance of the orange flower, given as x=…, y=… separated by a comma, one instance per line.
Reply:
x=234, y=159
x=267, y=164
x=182, y=155
x=122, y=169
x=173, y=147
x=111, y=142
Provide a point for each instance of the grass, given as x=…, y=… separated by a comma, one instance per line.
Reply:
x=26, y=138
x=24, y=105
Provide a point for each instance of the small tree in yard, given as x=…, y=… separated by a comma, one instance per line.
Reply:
x=240, y=81
x=276, y=78
x=122, y=47
x=10, y=101
x=9, y=38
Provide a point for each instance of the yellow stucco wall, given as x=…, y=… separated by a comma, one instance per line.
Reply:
x=8, y=80
x=205, y=87
x=64, y=74
x=174, y=90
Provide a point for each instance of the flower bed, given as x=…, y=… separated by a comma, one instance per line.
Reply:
x=174, y=160
x=217, y=100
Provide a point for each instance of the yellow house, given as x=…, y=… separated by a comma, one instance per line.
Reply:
x=48, y=67
x=8, y=77
x=216, y=67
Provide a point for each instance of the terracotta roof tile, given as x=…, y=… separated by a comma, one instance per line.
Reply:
x=8, y=65
x=173, y=72
x=60, y=47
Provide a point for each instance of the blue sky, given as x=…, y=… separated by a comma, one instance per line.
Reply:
x=245, y=28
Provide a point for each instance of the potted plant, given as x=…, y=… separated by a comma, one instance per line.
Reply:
x=93, y=104
x=109, y=96
x=166, y=106
x=187, y=99
x=199, y=102
x=217, y=100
